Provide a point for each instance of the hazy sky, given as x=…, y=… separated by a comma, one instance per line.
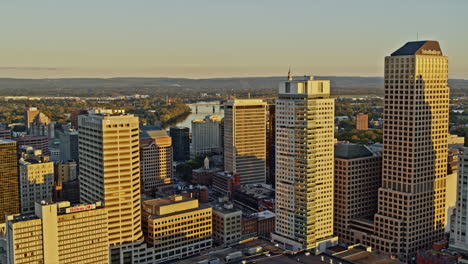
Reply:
x=216, y=38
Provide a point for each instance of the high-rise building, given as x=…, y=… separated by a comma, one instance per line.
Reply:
x=31, y=113
x=37, y=142
x=270, y=143
x=245, y=140
x=411, y=213
x=110, y=172
x=358, y=174
x=176, y=227
x=362, y=121
x=155, y=160
x=9, y=179
x=180, y=143
x=459, y=224
x=42, y=126
x=36, y=178
x=68, y=145
x=74, y=117
x=58, y=233
x=206, y=135
x=304, y=164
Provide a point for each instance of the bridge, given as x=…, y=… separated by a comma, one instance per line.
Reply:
x=213, y=105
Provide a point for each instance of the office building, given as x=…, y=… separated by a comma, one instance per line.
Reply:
x=180, y=143
x=59, y=233
x=411, y=213
x=227, y=220
x=245, y=139
x=68, y=145
x=110, y=172
x=36, y=178
x=358, y=173
x=31, y=113
x=206, y=135
x=66, y=184
x=74, y=117
x=270, y=143
x=304, y=164
x=225, y=184
x=9, y=179
x=41, y=125
x=37, y=142
x=176, y=227
x=459, y=224
x=155, y=160
x=362, y=121
x=5, y=133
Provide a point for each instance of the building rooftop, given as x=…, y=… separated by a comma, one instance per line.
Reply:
x=352, y=151
x=153, y=134
x=3, y=141
x=425, y=47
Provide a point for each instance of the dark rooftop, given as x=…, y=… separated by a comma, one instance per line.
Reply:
x=352, y=151
x=425, y=47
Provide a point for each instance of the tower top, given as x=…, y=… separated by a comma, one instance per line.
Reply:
x=289, y=74
x=425, y=47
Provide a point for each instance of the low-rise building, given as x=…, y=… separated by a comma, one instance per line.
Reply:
x=204, y=175
x=176, y=227
x=59, y=233
x=227, y=224
x=225, y=183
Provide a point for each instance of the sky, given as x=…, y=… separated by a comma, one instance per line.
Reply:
x=221, y=38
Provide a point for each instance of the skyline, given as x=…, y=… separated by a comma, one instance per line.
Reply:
x=207, y=39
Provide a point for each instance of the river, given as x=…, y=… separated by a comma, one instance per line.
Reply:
x=201, y=109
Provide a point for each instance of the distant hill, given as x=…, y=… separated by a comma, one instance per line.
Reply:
x=341, y=85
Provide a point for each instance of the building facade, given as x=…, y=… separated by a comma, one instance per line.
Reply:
x=245, y=139
x=36, y=178
x=304, y=164
x=227, y=229
x=176, y=227
x=110, y=172
x=180, y=143
x=69, y=145
x=206, y=135
x=9, y=179
x=37, y=142
x=59, y=233
x=411, y=213
x=358, y=173
x=459, y=224
x=362, y=121
x=155, y=160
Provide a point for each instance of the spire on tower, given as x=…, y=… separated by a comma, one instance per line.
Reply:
x=289, y=74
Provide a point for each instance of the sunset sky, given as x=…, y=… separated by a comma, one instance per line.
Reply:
x=221, y=38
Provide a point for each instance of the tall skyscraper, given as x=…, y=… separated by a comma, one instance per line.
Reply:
x=9, y=179
x=31, y=113
x=41, y=126
x=110, y=172
x=36, y=178
x=411, y=211
x=206, y=135
x=245, y=139
x=459, y=224
x=180, y=143
x=155, y=160
x=304, y=164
